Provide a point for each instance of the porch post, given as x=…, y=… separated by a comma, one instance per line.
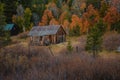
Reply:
x=54, y=38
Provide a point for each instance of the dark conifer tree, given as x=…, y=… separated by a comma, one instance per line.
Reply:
x=94, y=38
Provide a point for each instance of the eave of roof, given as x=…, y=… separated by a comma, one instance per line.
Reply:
x=44, y=30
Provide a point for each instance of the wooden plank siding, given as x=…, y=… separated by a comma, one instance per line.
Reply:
x=58, y=37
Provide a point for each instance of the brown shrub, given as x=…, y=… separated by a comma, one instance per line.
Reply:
x=23, y=35
x=111, y=42
x=18, y=64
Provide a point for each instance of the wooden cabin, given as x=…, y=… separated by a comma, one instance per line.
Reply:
x=12, y=28
x=45, y=35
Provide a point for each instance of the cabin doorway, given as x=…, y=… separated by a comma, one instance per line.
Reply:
x=50, y=39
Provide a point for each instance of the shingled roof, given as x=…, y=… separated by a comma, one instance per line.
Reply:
x=8, y=27
x=44, y=30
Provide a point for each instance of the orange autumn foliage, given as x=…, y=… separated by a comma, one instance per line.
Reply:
x=53, y=21
x=89, y=18
x=91, y=15
x=62, y=17
x=43, y=21
x=75, y=21
x=85, y=26
x=83, y=6
x=47, y=16
x=111, y=17
x=82, y=23
x=66, y=24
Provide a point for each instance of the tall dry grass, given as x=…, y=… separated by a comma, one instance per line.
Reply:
x=16, y=63
x=111, y=41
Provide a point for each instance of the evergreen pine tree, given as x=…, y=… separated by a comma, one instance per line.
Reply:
x=77, y=30
x=69, y=47
x=116, y=26
x=9, y=9
x=2, y=20
x=4, y=35
x=94, y=38
x=27, y=18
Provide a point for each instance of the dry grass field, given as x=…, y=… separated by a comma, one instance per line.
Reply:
x=59, y=49
x=19, y=61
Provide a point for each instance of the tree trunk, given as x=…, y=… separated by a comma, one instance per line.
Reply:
x=23, y=28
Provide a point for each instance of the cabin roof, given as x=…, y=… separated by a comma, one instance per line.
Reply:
x=8, y=27
x=44, y=30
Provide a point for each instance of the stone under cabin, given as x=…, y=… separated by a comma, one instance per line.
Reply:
x=46, y=35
